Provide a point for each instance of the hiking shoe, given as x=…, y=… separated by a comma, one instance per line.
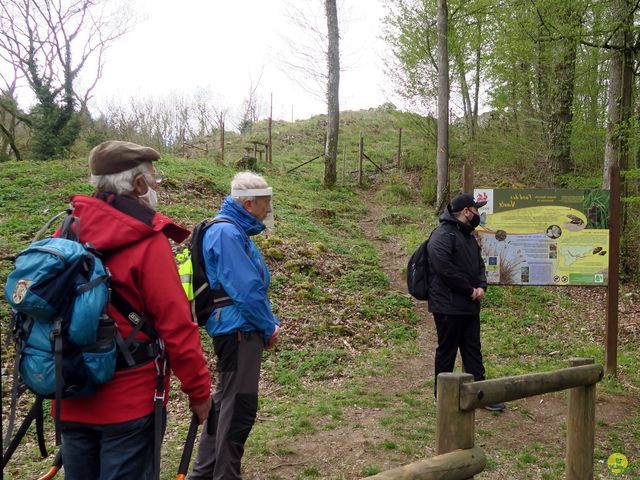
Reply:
x=496, y=407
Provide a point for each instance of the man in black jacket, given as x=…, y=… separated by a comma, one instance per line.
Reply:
x=457, y=285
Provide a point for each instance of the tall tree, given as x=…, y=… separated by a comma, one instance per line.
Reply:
x=561, y=86
x=620, y=86
x=442, y=156
x=51, y=42
x=10, y=118
x=333, y=94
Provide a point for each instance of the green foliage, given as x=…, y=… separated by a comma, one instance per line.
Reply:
x=371, y=470
x=54, y=132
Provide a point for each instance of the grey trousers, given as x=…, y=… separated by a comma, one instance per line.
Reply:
x=235, y=405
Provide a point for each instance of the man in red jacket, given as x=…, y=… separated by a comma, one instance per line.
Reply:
x=110, y=434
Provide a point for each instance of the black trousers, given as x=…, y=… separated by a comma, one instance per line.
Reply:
x=234, y=409
x=458, y=332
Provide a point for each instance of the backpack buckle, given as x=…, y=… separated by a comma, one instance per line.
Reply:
x=56, y=328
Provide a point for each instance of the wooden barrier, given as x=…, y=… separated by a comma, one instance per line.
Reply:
x=459, y=396
x=581, y=427
x=487, y=392
x=457, y=465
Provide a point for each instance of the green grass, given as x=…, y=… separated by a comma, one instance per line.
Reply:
x=333, y=288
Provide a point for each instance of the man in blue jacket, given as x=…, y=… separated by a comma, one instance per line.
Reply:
x=240, y=331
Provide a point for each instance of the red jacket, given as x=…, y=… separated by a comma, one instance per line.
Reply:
x=143, y=270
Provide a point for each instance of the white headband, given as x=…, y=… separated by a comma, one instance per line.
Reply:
x=252, y=192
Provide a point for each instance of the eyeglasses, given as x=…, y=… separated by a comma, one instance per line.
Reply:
x=156, y=175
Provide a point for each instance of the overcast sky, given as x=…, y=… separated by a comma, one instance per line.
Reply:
x=225, y=45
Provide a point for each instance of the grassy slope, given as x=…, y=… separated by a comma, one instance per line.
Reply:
x=340, y=320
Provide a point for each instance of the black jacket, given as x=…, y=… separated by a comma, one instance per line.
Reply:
x=456, y=268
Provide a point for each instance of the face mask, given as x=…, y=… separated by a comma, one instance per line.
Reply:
x=269, y=220
x=150, y=199
x=258, y=192
x=475, y=220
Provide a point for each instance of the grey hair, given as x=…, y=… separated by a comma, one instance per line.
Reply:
x=120, y=183
x=247, y=181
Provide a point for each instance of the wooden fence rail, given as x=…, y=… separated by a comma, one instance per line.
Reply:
x=459, y=396
x=457, y=465
x=487, y=392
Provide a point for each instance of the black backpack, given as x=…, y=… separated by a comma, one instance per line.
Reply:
x=202, y=297
x=418, y=272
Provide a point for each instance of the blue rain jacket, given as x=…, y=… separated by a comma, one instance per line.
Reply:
x=232, y=260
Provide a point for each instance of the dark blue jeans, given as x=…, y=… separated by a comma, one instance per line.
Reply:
x=108, y=452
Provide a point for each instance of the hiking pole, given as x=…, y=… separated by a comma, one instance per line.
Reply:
x=188, y=449
x=35, y=413
x=55, y=467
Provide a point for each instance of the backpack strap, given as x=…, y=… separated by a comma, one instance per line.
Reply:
x=134, y=353
x=67, y=211
x=158, y=401
x=16, y=387
x=228, y=220
x=56, y=333
x=220, y=297
x=35, y=413
x=67, y=228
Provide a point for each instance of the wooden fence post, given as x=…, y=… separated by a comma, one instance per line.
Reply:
x=399, y=155
x=467, y=178
x=454, y=428
x=580, y=428
x=344, y=164
x=221, y=159
x=611, y=345
x=360, y=157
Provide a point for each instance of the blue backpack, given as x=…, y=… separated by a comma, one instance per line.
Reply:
x=66, y=344
x=59, y=291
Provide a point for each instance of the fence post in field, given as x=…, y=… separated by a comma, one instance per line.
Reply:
x=615, y=214
x=580, y=428
x=467, y=178
x=344, y=163
x=221, y=159
x=454, y=428
x=360, y=157
x=399, y=155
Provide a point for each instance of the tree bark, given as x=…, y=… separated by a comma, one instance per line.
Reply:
x=442, y=155
x=619, y=98
x=561, y=86
x=466, y=97
x=333, y=91
x=9, y=139
x=476, y=80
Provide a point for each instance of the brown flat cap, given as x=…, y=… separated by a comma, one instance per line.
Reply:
x=114, y=156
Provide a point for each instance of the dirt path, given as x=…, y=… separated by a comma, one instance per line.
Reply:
x=346, y=451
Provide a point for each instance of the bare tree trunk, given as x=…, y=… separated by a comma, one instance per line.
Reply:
x=9, y=141
x=476, y=81
x=466, y=98
x=561, y=88
x=442, y=155
x=619, y=98
x=333, y=90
